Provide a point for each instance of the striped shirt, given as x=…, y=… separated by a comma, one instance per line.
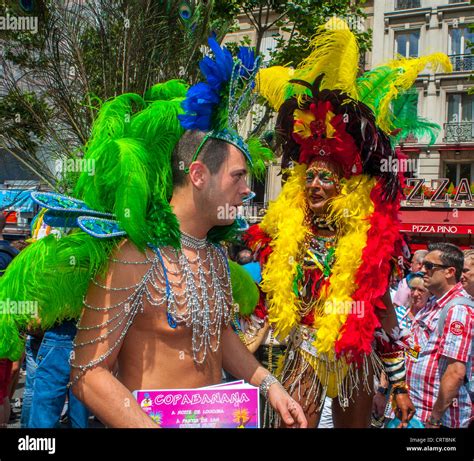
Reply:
x=427, y=359
x=403, y=318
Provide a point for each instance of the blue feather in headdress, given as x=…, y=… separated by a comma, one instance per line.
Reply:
x=204, y=100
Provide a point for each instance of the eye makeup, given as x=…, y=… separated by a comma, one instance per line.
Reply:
x=325, y=176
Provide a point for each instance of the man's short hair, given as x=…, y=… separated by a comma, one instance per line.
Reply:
x=3, y=221
x=451, y=255
x=213, y=154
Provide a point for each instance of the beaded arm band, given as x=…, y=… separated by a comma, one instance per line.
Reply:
x=391, y=350
x=394, y=366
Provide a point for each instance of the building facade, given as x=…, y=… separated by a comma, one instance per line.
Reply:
x=413, y=28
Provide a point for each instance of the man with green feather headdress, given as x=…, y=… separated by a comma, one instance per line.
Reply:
x=144, y=268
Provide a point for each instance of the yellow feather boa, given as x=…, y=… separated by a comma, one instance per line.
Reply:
x=285, y=222
x=350, y=211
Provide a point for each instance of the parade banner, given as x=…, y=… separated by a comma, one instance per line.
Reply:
x=229, y=405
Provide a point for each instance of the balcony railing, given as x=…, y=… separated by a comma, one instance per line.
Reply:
x=459, y=132
x=407, y=4
x=462, y=62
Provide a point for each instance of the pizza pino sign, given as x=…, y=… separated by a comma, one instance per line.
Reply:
x=437, y=229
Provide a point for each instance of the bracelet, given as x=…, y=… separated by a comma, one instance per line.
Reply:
x=400, y=390
x=400, y=387
x=266, y=383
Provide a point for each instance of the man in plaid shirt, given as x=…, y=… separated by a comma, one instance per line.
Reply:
x=437, y=365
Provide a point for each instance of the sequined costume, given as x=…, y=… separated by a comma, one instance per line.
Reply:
x=323, y=290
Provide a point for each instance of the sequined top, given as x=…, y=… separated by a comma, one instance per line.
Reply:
x=193, y=286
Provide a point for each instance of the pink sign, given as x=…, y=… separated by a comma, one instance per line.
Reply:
x=231, y=405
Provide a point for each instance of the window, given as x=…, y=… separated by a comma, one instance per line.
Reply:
x=406, y=43
x=407, y=4
x=459, y=126
x=460, y=48
x=460, y=107
x=456, y=171
x=458, y=40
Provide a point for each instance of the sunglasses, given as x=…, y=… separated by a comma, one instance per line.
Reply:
x=430, y=266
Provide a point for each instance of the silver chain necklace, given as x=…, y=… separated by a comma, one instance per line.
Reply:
x=193, y=308
x=199, y=296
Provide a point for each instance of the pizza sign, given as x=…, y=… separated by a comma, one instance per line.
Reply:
x=439, y=187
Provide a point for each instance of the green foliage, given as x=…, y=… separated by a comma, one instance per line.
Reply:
x=303, y=18
x=18, y=119
x=85, y=53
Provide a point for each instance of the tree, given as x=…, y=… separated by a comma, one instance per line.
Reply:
x=84, y=53
x=295, y=23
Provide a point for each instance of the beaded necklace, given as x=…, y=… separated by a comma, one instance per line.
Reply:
x=197, y=294
x=319, y=255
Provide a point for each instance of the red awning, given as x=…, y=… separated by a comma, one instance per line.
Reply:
x=452, y=221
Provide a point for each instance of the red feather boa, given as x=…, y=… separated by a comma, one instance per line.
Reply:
x=372, y=278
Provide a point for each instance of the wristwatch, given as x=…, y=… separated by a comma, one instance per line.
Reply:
x=266, y=383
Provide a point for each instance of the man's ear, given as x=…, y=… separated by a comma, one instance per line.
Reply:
x=198, y=174
x=452, y=272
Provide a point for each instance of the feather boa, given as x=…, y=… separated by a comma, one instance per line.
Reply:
x=372, y=278
x=285, y=224
x=350, y=212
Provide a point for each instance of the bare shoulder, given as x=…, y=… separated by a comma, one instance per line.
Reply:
x=126, y=251
x=127, y=264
